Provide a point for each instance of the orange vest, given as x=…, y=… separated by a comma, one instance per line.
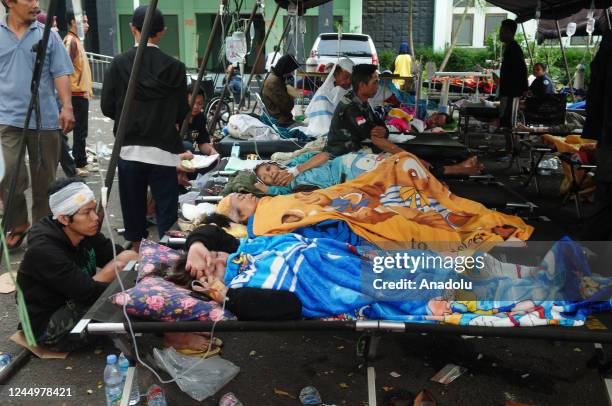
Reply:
x=80, y=80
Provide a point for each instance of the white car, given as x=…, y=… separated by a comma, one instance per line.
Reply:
x=359, y=48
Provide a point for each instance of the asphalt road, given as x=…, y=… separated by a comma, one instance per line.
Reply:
x=275, y=366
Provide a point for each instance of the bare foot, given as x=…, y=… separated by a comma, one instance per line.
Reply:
x=468, y=167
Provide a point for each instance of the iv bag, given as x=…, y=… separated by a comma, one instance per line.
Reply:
x=590, y=27
x=571, y=29
x=235, y=47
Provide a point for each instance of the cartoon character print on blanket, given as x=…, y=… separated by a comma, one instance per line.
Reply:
x=399, y=201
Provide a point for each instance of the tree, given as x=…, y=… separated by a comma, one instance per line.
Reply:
x=410, y=31
x=455, y=34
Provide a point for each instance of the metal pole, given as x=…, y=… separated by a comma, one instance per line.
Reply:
x=125, y=118
x=218, y=109
x=528, y=47
x=261, y=48
x=569, y=78
x=278, y=46
x=209, y=45
x=41, y=52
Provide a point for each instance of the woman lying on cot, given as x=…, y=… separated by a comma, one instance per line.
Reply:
x=399, y=201
x=335, y=171
x=325, y=277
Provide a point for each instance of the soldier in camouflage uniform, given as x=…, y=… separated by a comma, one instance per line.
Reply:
x=354, y=120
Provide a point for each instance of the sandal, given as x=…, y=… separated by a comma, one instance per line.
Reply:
x=18, y=236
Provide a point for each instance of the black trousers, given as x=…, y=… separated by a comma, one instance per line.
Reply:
x=80, y=105
x=66, y=160
x=134, y=178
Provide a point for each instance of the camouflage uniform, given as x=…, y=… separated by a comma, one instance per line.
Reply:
x=351, y=124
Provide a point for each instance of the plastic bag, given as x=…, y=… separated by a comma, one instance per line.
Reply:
x=245, y=127
x=203, y=380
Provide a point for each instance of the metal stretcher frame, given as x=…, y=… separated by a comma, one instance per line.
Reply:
x=89, y=325
x=424, y=145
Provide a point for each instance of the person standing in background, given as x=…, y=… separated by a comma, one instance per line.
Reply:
x=82, y=90
x=152, y=149
x=19, y=35
x=512, y=74
x=403, y=67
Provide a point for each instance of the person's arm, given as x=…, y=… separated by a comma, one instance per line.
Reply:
x=282, y=98
x=314, y=162
x=73, y=51
x=181, y=99
x=284, y=178
x=385, y=145
x=250, y=304
x=207, y=149
x=60, y=68
x=103, y=247
x=66, y=117
x=107, y=99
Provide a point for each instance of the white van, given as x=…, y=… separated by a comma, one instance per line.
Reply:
x=359, y=48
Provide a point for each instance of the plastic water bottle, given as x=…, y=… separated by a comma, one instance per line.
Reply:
x=124, y=365
x=310, y=396
x=5, y=360
x=155, y=396
x=235, y=150
x=112, y=381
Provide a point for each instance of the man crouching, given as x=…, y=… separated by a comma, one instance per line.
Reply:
x=58, y=273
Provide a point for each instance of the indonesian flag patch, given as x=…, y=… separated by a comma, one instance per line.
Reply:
x=361, y=120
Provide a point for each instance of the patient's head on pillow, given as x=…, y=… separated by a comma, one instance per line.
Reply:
x=440, y=119
x=266, y=172
x=239, y=207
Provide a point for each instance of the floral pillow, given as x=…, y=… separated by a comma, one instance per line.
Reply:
x=154, y=256
x=157, y=299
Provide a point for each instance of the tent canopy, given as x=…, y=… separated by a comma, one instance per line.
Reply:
x=303, y=4
x=547, y=29
x=549, y=9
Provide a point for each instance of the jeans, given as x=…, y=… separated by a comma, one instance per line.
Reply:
x=134, y=178
x=80, y=106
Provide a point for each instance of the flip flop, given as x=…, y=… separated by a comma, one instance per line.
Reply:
x=197, y=353
x=20, y=237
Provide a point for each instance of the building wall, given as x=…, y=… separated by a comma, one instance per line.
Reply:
x=193, y=39
x=386, y=21
x=443, y=23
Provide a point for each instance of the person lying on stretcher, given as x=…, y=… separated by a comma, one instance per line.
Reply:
x=399, y=201
x=288, y=277
x=272, y=176
x=354, y=122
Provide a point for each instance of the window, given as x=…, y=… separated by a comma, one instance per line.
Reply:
x=467, y=29
x=579, y=40
x=492, y=23
x=463, y=3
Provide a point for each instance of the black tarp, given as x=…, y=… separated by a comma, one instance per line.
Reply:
x=549, y=9
x=303, y=4
x=547, y=29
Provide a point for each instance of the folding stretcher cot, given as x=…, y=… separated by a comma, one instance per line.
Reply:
x=424, y=146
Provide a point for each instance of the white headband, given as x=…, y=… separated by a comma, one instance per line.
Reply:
x=70, y=199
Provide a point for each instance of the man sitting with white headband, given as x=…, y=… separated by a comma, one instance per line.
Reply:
x=58, y=272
